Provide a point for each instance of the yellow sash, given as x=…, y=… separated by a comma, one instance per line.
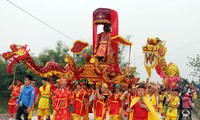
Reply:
x=152, y=115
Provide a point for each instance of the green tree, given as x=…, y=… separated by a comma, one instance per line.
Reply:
x=79, y=59
x=5, y=78
x=57, y=54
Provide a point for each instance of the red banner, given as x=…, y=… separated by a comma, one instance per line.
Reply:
x=79, y=46
x=121, y=40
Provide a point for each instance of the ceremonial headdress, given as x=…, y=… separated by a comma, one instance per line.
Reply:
x=117, y=86
x=58, y=81
x=64, y=81
x=105, y=85
x=141, y=85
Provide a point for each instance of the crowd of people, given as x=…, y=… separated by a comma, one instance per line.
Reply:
x=142, y=101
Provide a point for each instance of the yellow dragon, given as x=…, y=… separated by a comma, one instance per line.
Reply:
x=155, y=51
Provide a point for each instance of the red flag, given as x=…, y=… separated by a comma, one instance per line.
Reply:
x=79, y=46
x=121, y=40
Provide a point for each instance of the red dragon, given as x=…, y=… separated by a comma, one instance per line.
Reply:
x=20, y=53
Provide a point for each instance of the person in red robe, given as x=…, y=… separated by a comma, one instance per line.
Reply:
x=61, y=100
x=100, y=100
x=87, y=102
x=104, y=47
x=79, y=104
x=129, y=97
x=12, y=109
x=141, y=106
x=115, y=106
x=58, y=83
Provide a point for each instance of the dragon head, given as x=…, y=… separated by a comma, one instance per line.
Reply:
x=17, y=53
x=154, y=50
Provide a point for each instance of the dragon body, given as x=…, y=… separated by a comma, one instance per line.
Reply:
x=155, y=51
x=20, y=53
x=94, y=71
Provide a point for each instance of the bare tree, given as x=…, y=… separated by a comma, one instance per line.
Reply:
x=194, y=63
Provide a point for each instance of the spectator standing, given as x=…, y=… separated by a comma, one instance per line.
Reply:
x=26, y=98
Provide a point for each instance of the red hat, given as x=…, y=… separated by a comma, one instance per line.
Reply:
x=21, y=83
x=187, y=95
x=175, y=89
x=62, y=80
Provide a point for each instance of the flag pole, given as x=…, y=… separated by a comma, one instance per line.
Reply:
x=14, y=74
x=129, y=60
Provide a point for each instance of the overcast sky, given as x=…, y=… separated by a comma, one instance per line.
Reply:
x=175, y=21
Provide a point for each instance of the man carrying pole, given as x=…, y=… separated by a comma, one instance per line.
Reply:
x=13, y=97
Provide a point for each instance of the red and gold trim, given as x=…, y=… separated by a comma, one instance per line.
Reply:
x=121, y=40
x=79, y=46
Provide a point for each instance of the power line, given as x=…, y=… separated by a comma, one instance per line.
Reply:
x=39, y=20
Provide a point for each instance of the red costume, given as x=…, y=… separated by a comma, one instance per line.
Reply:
x=79, y=107
x=13, y=99
x=100, y=107
x=115, y=104
x=130, y=98
x=36, y=91
x=103, y=43
x=88, y=108
x=61, y=101
x=142, y=107
x=138, y=109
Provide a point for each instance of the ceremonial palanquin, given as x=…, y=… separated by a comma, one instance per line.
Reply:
x=154, y=51
x=103, y=64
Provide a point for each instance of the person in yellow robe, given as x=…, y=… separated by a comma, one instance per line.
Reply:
x=194, y=95
x=173, y=103
x=161, y=103
x=168, y=95
x=141, y=106
x=44, y=100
